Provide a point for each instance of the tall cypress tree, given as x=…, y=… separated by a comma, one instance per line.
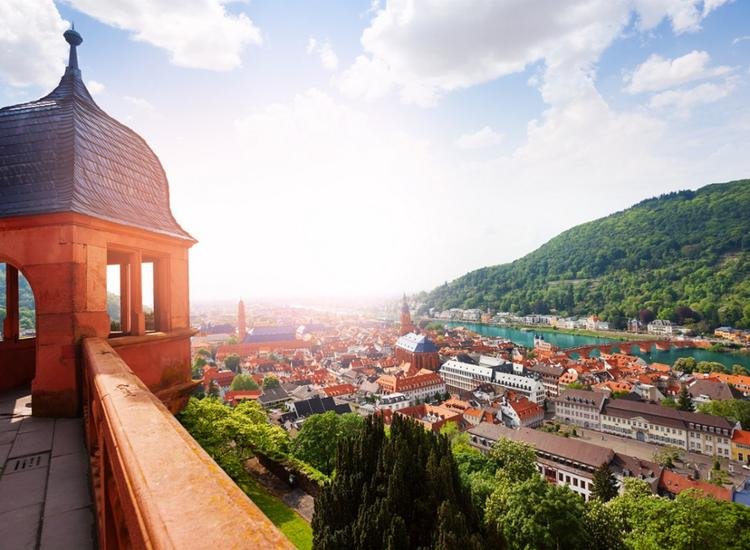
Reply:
x=605, y=484
x=398, y=492
x=685, y=401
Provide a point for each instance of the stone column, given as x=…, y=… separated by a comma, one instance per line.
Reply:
x=10, y=324
x=137, y=319
x=125, y=298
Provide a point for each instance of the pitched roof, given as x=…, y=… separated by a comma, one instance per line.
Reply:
x=664, y=415
x=270, y=334
x=741, y=437
x=675, y=483
x=318, y=405
x=62, y=153
x=715, y=390
x=584, y=397
x=416, y=343
x=274, y=395
x=546, y=443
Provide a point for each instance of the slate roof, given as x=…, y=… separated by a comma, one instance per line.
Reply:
x=416, y=343
x=270, y=334
x=273, y=395
x=318, y=405
x=62, y=153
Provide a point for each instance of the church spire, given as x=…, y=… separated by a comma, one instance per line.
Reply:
x=73, y=38
x=406, y=325
x=241, y=321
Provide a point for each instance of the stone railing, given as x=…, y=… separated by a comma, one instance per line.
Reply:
x=153, y=485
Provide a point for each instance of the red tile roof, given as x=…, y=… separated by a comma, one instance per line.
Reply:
x=742, y=437
x=339, y=389
x=676, y=483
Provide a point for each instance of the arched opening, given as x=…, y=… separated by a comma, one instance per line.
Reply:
x=18, y=321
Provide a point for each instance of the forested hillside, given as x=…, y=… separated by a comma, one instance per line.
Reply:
x=684, y=256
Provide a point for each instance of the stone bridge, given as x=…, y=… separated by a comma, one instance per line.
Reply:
x=643, y=346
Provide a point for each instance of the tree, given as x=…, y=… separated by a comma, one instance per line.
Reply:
x=687, y=522
x=536, y=514
x=735, y=410
x=243, y=382
x=213, y=390
x=709, y=366
x=516, y=460
x=669, y=402
x=684, y=401
x=401, y=491
x=666, y=456
x=603, y=527
x=685, y=364
x=645, y=316
x=270, y=381
x=232, y=362
x=318, y=438
x=196, y=371
x=605, y=484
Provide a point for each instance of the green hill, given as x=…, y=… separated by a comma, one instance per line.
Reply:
x=684, y=256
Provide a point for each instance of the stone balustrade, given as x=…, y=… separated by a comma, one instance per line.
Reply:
x=153, y=485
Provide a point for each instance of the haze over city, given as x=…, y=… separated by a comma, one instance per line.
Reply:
x=331, y=148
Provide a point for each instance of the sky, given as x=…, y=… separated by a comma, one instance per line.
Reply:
x=366, y=149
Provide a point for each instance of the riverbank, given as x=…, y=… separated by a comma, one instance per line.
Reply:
x=607, y=335
x=566, y=339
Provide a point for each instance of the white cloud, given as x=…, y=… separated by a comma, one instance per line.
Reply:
x=342, y=189
x=95, y=87
x=197, y=33
x=684, y=15
x=681, y=101
x=424, y=50
x=486, y=137
x=658, y=73
x=139, y=103
x=740, y=39
x=32, y=50
x=328, y=58
x=312, y=44
x=711, y=5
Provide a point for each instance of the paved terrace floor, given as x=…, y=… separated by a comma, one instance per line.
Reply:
x=45, y=496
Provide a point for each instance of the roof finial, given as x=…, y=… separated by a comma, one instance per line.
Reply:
x=74, y=39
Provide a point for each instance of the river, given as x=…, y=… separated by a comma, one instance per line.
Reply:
x=564, y=340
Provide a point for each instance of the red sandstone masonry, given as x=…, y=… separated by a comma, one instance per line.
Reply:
x=154, y=486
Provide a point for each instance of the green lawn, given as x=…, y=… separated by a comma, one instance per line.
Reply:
x=287, y=520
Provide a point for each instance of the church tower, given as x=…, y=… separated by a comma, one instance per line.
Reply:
x=406, y=325
x=241, y=321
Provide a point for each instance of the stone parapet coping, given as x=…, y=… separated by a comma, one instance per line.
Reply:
x=154, y=486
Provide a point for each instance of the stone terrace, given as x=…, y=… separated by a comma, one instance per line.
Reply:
x=45, y=496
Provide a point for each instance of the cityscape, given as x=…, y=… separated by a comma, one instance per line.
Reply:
x=380, y=274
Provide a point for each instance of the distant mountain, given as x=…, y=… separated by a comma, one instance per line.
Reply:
x=684, y=256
